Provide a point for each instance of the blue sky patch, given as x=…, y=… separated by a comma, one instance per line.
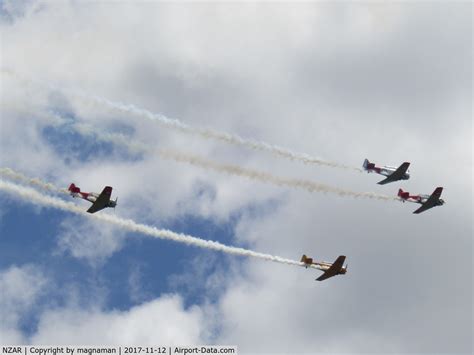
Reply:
x=73, y=146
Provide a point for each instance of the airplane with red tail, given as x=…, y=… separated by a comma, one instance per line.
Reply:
x=99, y=201
x=426, y=201
x=330, y=269
x=392, y=173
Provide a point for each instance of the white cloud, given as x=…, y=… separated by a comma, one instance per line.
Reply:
x=161, y=321
x=89, y=240
x=20, y=288
x=344, y=81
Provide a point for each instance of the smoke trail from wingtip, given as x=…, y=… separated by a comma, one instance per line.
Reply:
x=14, y=175
x=48, y=201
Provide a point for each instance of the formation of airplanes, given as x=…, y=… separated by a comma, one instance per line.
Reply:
x=401, y=173
x=392, y=174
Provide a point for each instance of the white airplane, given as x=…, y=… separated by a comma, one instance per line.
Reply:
x=392, y=173
x=330, y=269
x=99, y=201
x=426, y=201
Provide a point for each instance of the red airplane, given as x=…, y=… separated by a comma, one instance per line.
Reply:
x=330, y=269
x=99, y=201
x=426, y=201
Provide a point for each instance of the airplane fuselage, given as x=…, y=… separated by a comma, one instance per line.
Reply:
x=421, y=199
x=91, y=197
x=324, y=266
x=387, y=171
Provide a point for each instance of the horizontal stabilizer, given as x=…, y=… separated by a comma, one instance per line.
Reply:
x=368, y=165
x=74, y=189
x=306, y=260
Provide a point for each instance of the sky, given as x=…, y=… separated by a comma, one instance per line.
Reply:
x=86, y=91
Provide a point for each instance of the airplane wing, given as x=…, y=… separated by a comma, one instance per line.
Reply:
x=334, y=269
x=102, y=201
x=432, y=200
x=396, y=175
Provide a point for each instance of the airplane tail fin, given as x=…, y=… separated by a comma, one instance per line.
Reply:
x=402, y=194
x=74, y=189
x=307, y=261
x=368, y=165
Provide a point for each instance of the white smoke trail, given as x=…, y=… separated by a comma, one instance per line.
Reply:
x=49, y=201
x=306, y=185
x=219, y=135
x=13, y=175
x=310, y=186
x=207, y=133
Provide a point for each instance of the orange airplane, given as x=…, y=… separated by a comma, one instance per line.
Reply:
x=330, y=269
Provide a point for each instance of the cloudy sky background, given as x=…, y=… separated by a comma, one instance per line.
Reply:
x=341, y=81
